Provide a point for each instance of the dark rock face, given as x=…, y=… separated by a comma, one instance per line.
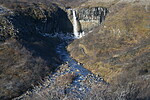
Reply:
x=42, y=20
x=36, y=18
x=59, y=22
x=89, y=17
x=92, y=14
x=25, y=55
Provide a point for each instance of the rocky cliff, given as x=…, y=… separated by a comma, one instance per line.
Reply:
x=25, y=55
x=89, y=18
x=117, y=50
x=37, y=18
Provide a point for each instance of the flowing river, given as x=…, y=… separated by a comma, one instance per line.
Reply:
x=82, y=83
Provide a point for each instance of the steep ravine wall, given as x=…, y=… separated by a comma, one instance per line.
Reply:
x=26, y=56
x=36, y=18
x=88, y=18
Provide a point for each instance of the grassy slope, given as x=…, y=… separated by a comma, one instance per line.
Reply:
x=119, y=49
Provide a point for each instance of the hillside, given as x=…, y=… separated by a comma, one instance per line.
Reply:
x=26, y=56
x=118, y=50
x=111, y=62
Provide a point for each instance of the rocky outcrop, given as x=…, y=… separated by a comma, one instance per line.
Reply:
x=88, y=18
x=36, y=18
x=25, y=55
x=90, y=14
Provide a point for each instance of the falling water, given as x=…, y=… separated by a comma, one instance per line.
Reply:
x=75, y=25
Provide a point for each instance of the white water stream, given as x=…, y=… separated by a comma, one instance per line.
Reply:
x=75, y=26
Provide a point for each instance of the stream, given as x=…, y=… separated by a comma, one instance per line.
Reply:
x=83, y=81
x=82, y=74
x=81, y=84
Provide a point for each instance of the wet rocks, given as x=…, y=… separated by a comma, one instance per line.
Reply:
x=71, y=79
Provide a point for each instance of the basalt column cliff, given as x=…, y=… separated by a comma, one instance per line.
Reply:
x=88, y=18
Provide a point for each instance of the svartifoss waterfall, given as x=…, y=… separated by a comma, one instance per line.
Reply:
x=75, y=26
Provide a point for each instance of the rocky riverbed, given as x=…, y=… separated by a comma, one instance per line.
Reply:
x=4, y=10
x=78, y=87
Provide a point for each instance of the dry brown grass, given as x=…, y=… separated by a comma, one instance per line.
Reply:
x=106, y=51
x=98, y=3
x=65, y=79
x=119, y=51
x=19, y=69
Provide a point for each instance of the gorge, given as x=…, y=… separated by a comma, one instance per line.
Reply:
x=28, y=25
x=79, y=87
x=74, y=50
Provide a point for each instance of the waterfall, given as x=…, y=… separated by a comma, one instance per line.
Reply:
x=75, y=25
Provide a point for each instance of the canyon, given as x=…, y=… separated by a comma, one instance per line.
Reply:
x=74, y=50
x=26, y=30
